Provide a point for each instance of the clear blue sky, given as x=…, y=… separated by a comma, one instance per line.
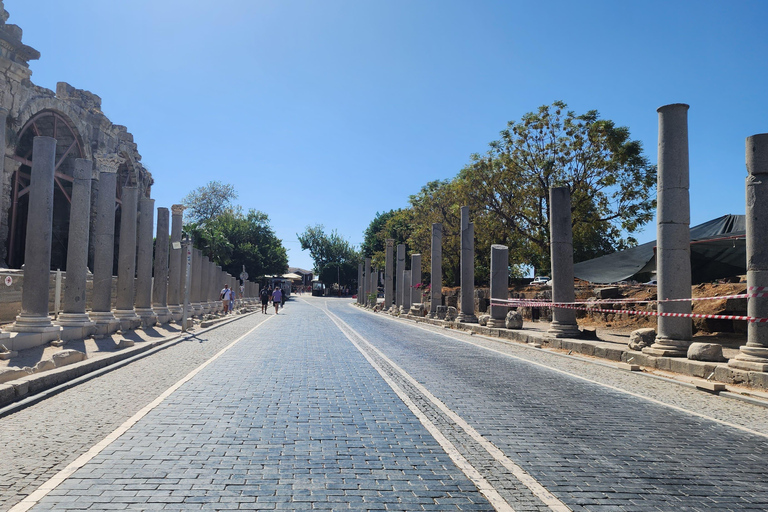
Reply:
x=329, y=111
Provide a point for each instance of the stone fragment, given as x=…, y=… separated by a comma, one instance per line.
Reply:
x=417, y=309
x=440, y=312
x=12, y=373
x=641, y=338
x=514, y=320
x=451, y=313
x=705, y=352
x=44, y=366
x=68, y=356
x=483, y=319
x=611, y=292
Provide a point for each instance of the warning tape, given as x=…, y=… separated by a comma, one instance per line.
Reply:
x=657, y=301
x=568, y=305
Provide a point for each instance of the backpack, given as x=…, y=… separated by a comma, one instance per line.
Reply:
x=264, y=294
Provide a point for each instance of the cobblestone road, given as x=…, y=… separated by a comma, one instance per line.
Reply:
x=329, y=407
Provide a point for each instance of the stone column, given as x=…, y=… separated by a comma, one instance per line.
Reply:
x=175, y=260
x=563, y=323
x=467, y=297
x=104, y=246
x=415, y=279
x=673, y=248
x=367, y=280
x=37, y=250
x=436, y=270
x=213, y=296
x=218, y=285
x=160, y=283
x=399, y=269
x=204, y=283
x=197, y=260
x=3, y=209
x=754, y=355
x=406, y=286
x=360, y=284
x=126, y=261
x=388, y=278
x=143, y=301
x=73, y=311
x=499, y=283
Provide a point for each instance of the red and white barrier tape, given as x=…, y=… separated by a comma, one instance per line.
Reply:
x=567, y=305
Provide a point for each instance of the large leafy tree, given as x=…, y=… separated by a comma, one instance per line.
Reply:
x=335, y=258
x=209, y=201
x=611, y=182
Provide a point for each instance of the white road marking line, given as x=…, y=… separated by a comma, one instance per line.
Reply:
x=32, y=499
x=636, y=395
x=489, y=492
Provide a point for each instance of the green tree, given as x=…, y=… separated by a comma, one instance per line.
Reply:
x=611, y=182
x=330, y=252
x=208, y=202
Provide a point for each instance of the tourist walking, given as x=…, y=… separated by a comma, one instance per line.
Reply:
x=226, y=298
x=264, y=296
x=277, y=298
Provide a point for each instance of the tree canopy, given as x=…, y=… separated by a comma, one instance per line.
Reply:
x=335, y=258
x=611, y=182
x=209, y=201
x=231, y=238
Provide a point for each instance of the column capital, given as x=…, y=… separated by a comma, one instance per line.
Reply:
x=108, y=162
x=177, y=209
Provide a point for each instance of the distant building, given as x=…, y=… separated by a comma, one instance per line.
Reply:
x=306, y=275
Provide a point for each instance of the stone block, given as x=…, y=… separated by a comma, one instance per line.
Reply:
x=68, y=356
x=706, y=352
x=44, y=366
x=451, y=313
x=514, y=320
x=13, y=372
x=441, y=312
x=641, y=338
x=483, y=319
x=610, y=292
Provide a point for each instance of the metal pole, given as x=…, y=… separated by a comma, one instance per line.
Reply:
x=188, y=245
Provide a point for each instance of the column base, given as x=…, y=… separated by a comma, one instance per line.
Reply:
x=753, y=359
x=77, y=332
x=561, y=330
x=162, y=313
x=106, y=323
x=29, y=323
x=667, y=347
x=196, y=308
x=496, y=323
x=128, y=319
x=466, y=319
x=147, y=316
x=176, y=312
x=74, y=320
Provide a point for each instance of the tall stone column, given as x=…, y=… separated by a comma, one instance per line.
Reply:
x=374, y=287
x=218, y=285
x=406, y=285
x=673, y=248
x=213, y=297
x=360, y=284
x=563, y=323
x=467, y=265
x=367, y=280
x=3, y=121
x=197, y=259
x=126, y=260
x=205, y=284
x=143, y=301
x=73, y=311
x=499, y=283
x=436, y=270
x=160, y=283
x=37, y=250
x=415, y=279
x=399, y=269
x=175, y=259
x=754, y=355
x=104, y=245
x=388, y=278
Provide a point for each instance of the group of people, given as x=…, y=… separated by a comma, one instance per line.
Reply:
x=276, y=295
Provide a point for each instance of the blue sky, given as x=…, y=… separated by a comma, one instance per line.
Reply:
x=329, y=111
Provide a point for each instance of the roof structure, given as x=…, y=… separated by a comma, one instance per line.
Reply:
x=718, y=250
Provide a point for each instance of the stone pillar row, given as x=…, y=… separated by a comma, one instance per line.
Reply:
x=140, y=299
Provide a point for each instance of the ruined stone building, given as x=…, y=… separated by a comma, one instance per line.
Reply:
x=74, y=118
